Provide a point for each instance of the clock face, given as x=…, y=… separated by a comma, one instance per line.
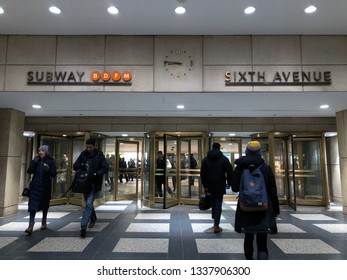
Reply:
x=178, y=63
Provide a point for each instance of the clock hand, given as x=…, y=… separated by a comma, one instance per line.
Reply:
x=166, y=62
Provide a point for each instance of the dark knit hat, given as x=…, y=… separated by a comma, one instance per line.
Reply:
x=253, y=147
x=90, y=142
x=44, y=148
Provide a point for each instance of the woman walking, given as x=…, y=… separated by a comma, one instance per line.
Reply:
x=43, y=168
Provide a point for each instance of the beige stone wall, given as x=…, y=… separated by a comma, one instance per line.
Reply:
x=144, y=57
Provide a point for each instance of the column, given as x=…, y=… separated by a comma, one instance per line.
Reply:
x=11, y=136
x=341, y=122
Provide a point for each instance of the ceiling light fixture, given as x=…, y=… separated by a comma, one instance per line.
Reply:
x=1, y=11
x=310, y=9
x=54, y=10
x=36, y=106
x=180, y=106
x=113, y=10
x=180, y=10
x=249, y=10
x=325, y=106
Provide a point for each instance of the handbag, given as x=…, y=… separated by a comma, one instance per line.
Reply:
x=205, y=201
x=81, y=182
x=26, y=190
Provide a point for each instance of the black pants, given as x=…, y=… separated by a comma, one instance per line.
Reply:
x=261, y=239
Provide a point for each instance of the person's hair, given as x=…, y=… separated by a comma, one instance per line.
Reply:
x=90, y=142
x=216, y=146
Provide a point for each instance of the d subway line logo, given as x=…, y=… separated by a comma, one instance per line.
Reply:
x=67, y=78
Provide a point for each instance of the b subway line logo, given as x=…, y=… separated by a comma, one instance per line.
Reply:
x=71, y=78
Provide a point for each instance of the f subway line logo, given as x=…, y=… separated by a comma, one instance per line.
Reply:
x=79, y=78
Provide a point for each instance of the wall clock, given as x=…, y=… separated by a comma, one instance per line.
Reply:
x=178, y=63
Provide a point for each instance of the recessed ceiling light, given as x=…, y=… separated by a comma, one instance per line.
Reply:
x=232, y=134
x=180, y=106
x=124, y=135
x=180, y=10
x=54, y=10
x=249, y=10
x=310, y=9
x=1, y=11
x=325, y=106
x=36, y=106
x=113, y=10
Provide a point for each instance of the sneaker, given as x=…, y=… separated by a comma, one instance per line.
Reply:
x=217, y=229
x=91, y=224
x=83, y=232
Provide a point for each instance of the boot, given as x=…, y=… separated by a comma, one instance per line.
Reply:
x=43, y=224
x=30, y=228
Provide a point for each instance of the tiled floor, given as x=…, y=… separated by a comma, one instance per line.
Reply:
x=126, y=231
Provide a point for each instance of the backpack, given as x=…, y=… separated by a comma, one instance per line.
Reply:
x=252, y=193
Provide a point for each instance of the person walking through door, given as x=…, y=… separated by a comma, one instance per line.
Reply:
x=256, y=223
x=42, y=168
x=93, y=161
x=216, y=172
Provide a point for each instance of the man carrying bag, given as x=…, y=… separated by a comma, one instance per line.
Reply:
x=93, y=162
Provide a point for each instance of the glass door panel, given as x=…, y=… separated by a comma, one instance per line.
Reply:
x=308, y=171
x=190, y=163
x=170, y=171
x=148, y=192
x=128, y=173
x=65, y=152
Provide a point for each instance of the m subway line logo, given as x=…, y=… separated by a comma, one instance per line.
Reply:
x=67, y=78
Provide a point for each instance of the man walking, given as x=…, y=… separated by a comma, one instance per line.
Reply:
x=94, y=162
x=216, y=171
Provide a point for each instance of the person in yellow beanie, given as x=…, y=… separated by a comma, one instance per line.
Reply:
x=254, y=223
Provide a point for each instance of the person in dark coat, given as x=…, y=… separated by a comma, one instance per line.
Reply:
x=258, y=223
x=216, y=171
x=94, y=161
x=42, y=168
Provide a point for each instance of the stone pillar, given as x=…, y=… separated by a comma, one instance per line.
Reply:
x=341, y=123
x=11, y=136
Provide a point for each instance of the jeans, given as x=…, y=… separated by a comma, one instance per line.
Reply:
x=88, y=212
x=217, y=201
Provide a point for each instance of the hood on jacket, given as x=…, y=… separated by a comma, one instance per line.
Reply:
x=214, y=154
x=246, y=161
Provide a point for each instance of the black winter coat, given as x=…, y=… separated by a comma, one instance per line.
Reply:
x=96, y=165
x=41, y=184
x=215, y=172
x=256, y=220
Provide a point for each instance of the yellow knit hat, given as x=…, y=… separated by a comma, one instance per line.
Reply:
x=253, y=147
